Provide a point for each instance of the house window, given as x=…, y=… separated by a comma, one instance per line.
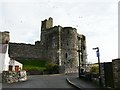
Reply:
x=16, y=68
x=10, y=68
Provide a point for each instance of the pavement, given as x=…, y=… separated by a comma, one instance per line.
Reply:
x=82, y=84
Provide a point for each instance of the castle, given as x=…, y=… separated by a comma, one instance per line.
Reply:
x=58, y=44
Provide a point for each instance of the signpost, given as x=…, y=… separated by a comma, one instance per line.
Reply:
x=98, y=55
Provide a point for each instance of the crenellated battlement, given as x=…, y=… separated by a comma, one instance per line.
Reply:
x=46, y=24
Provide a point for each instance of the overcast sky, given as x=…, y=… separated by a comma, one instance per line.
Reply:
x=96, y=19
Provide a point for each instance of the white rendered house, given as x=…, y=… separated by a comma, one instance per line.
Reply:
x=6, y=63
x=15, y=65
x=4, y=58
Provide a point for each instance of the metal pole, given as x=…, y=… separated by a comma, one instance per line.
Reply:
x=98, y=55
x=100, y=82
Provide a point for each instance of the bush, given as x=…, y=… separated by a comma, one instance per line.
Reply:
x=52, y=68
x=94, y=69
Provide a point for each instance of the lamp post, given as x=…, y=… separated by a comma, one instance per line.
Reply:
x=98, y=55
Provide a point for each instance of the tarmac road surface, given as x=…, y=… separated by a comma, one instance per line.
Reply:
x=41, y=81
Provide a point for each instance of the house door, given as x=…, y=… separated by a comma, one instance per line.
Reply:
x=16, y=68
x=10, y=68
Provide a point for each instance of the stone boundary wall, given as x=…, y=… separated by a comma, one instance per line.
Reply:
x=12, y=76
x=102, y=74
x=116, y=72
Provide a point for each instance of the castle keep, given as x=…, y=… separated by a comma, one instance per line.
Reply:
x=57, y=44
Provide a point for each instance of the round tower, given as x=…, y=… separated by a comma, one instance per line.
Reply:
x=69, y=49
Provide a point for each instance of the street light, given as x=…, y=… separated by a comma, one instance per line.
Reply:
x=98, y=55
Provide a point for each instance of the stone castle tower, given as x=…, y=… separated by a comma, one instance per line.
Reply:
x=61, y=45
x=57, y=44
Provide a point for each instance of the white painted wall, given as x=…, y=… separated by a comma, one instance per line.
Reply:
x=5, y=61
x=2, y=57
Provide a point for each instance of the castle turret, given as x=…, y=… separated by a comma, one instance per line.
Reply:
x=46, y=24
x=69, y=49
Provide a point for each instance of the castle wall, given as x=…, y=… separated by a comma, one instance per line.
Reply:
x=82, y=48
x=50, y=45
x=24, y=51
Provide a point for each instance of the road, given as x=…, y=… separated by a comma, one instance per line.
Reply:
x=41, y=81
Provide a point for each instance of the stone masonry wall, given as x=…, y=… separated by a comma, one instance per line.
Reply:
x=12, y=76
x=116, y=72
x=69, y=54
x=24, y=51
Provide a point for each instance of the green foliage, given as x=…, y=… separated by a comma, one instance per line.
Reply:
x=94, y=69
x=52, y=68
x=29, y=68
x=33, y=62
x=33, y=65
x=38, y=65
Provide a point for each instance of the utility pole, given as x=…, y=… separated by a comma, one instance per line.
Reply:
x=98, y=55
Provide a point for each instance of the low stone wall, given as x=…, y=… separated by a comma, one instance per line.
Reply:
x=12, y=76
